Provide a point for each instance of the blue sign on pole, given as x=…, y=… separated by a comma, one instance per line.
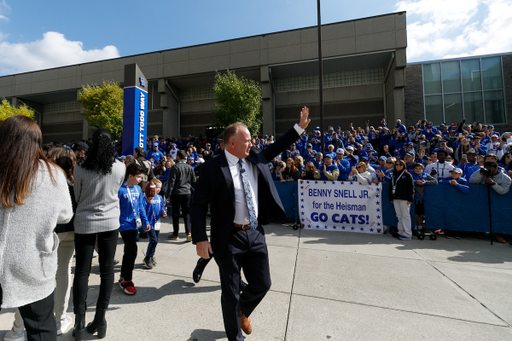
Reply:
x=135, y=110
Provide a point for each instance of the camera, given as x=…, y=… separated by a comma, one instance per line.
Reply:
x=486, y=171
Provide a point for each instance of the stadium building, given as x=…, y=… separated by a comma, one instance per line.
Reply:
x=365, y=76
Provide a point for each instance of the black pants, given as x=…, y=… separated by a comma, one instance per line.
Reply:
x=39, y=321
x=130, y=254
x=246, y=250
x=84, y=248
x=182, y=201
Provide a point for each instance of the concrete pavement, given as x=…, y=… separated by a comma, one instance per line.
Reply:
x=325, y=286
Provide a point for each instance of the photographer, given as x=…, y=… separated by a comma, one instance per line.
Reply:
x=276, y=175
x=310, y=172
x=499, y=181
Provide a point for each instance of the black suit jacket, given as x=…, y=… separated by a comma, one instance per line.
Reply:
x=215, y=187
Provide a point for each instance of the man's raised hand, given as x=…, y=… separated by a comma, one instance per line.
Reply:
x=304, y=118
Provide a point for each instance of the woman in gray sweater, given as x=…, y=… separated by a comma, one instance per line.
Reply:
x=35, y=198
x=97, y=182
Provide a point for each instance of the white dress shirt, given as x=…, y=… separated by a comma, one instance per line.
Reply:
x=241, y=211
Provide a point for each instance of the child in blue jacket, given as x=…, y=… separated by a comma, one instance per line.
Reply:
x=154, y=205
x=457, y=180
x=131, y=219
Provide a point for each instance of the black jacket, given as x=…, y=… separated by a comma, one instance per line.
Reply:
x=404, y=187
x=180, y=180
x=215, y=187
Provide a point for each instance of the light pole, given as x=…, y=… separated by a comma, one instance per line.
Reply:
x=320, y=75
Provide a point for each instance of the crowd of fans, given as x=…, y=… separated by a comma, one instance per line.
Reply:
x=408, y=158
x=448, y=154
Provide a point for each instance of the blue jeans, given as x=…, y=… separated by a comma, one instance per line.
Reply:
x=153, y=241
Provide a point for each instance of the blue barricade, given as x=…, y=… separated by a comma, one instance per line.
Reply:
x=446, y=208
x=388, y=210
x=288, y=195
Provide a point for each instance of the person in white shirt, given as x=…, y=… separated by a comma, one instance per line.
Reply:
x=440, y=169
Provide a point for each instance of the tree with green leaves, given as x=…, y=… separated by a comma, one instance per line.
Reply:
x=103, y=106
x=7, y=110
x=238, y=100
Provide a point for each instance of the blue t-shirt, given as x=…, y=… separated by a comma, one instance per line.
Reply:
x=130, y=211
x=154, y=209
x=157, y=156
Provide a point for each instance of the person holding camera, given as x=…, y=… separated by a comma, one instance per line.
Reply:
x=310, y=172
x=490, y=175
x=499, y=181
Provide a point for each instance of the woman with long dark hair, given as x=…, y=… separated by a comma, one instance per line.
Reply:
x=401, y=195
x=97, y=183
x=35, y=198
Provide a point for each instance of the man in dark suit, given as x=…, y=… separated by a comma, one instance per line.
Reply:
x=239, y=188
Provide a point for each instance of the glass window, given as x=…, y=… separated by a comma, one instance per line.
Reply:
x=434, y=109
x=451, y=76
x=432, y=78
x=471, y=75
x=494, y=108
x=453, y=108
x=473, y=107
x=491, y=73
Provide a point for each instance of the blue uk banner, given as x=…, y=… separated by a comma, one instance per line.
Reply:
x=340, y=206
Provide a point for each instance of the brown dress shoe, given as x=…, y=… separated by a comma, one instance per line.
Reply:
x=501, y=240
x=246, y=324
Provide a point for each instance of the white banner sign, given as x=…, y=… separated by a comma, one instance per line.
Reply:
x=340, y=206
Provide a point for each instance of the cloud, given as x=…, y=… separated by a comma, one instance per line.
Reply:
x=4, y=8
x=52, y=51
x=455, y=28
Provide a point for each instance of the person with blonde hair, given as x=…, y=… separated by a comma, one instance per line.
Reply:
x=360, y=174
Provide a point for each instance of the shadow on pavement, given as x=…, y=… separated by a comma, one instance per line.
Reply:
x=468, y=249
x=206, y=335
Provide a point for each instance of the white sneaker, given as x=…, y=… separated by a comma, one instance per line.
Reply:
x=94, y=254
x=64, y=325
x=14, y=335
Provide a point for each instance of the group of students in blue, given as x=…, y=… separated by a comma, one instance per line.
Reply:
x=139, y=212
x=446, y=154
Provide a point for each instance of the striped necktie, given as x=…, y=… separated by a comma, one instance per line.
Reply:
x=253, y=221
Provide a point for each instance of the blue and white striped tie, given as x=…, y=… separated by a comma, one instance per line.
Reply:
x=253, y=221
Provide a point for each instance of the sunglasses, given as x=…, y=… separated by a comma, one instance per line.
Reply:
x=358, y=167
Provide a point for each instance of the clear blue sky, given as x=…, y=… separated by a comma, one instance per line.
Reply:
x=42, y=34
